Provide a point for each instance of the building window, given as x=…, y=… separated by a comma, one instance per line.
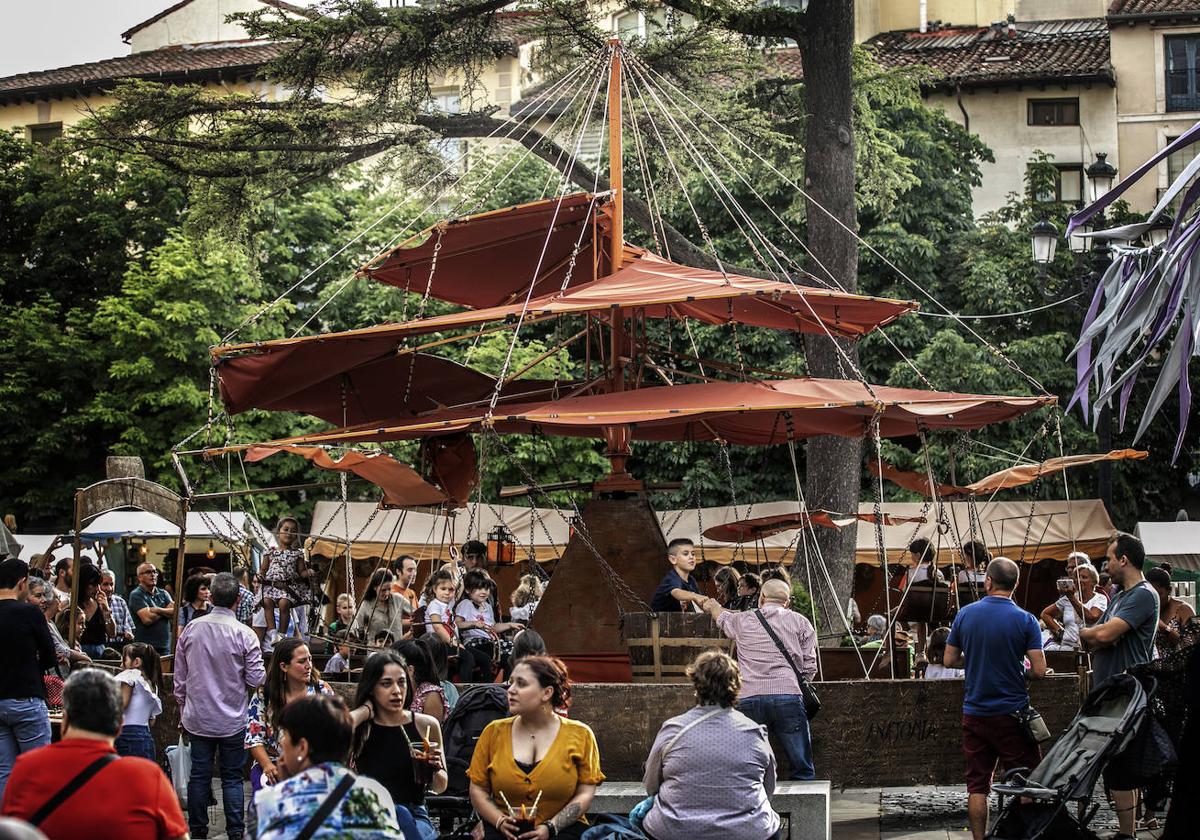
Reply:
x=1068, y=186
x=629, y=25
x=1183, y=92
x=44, y=133
x=1176, y=163
x=1054, y=111
x=452, y=150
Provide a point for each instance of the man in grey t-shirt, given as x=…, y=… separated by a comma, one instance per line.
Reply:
x=1122, y=638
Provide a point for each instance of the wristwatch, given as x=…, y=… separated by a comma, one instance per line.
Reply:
x=551, y=828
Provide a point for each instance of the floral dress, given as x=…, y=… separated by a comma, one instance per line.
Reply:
x=418, y=701
x=282, y=578
x=259, y=732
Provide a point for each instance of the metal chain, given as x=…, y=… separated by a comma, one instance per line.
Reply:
x=615, y=583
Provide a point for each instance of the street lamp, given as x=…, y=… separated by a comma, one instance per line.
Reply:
x=1078, y=241
x=1158, y=232
x=1044, y=239
x=1101, y=176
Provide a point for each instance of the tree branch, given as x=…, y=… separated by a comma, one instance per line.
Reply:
x=765, y=22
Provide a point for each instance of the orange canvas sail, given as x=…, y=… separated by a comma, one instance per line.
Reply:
x=402, y=486
x=745, y=413
x=1012, y=477
x=748, y=530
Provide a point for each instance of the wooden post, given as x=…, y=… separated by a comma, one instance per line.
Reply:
x=616, y=437
x=178, y=598
x=75, y=562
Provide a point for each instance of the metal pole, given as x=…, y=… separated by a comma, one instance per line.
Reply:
x=75, y=574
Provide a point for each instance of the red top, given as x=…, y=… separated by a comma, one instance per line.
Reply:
x=129, y=799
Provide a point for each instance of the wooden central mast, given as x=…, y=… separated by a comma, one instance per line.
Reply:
x=617, y=437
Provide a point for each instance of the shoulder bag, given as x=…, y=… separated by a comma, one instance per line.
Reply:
x=812, y=703
x=327, y=806
x=68, y=790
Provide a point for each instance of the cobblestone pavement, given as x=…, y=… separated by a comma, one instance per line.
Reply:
x=926, y=813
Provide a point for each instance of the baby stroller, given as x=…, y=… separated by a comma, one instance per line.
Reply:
x=1033, y=804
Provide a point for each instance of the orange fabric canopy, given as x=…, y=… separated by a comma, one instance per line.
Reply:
x=355, y=383
x=402, y=486
x=748, y=530
x=1012, y=477
x=490, y=259
x=748, y=413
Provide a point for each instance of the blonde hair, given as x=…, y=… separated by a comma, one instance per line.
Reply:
x=528, y=591
x=345, y=598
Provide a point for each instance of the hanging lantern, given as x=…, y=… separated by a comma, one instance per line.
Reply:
x=212, y=552
x=1044, y=239
x=1079, y=241
x=501, y=547
x=1101, y=176
x=143, y=550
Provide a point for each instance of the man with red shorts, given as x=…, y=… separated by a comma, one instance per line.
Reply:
x=991, y=639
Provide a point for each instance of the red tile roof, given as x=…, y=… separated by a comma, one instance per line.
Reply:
x=278, y=4
x=193, y=62
x=1056, y=50
x=1133, y=9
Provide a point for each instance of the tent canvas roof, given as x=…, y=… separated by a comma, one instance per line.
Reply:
x=218, y=525
x=32, y=544
x=426, y=535
x=1177, y=543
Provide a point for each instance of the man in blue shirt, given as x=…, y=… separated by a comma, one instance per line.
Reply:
x=1123, y=637
x=153, y=610
x=991, y=639
x=677, y=586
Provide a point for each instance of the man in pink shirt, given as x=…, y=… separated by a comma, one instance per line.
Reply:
x=218, y=663
x=770, y=691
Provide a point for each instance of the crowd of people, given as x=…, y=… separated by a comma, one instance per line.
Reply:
x=324, y=763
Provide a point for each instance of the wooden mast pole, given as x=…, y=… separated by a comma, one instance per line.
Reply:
x=617, y=437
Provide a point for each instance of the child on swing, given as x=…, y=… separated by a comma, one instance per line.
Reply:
x=480, y=632
x=285, y=576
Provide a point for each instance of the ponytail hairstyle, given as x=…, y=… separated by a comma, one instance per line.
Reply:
x=151, y=663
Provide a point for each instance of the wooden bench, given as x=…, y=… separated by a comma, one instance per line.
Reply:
x=804, y=804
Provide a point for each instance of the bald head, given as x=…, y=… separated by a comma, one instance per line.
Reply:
x=1003, y=574
x=776, y=592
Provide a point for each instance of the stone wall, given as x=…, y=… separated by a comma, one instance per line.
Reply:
x=878, y=733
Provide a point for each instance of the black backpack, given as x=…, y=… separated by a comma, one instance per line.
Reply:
x=476, y=708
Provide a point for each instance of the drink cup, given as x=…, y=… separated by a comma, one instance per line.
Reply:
x=422, y=768
x=524, y=825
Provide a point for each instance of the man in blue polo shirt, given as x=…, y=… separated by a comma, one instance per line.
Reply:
x=991, y=639
x=678, y=587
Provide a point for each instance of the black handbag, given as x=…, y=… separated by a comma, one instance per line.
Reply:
x=812, y=703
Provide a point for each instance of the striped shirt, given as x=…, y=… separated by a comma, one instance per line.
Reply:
x=764, y=670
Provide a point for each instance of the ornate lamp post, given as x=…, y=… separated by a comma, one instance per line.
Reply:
x=1101, y=175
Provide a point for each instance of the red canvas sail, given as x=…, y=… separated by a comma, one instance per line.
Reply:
x=745, y=413
x=748, y=530
x=1016, y=476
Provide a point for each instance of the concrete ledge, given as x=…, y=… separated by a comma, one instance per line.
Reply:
x=805, y=804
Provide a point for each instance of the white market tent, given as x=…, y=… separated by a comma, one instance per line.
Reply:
x=34, y=544
x=202, y=525
x=1054, y=530
x=1177, y=543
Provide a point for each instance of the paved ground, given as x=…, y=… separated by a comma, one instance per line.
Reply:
x=923, y=813
x=913, y=813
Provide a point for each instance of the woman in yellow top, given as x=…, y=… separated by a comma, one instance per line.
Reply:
x=535, y=756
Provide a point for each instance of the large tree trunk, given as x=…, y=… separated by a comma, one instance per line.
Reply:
x=834, y=464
